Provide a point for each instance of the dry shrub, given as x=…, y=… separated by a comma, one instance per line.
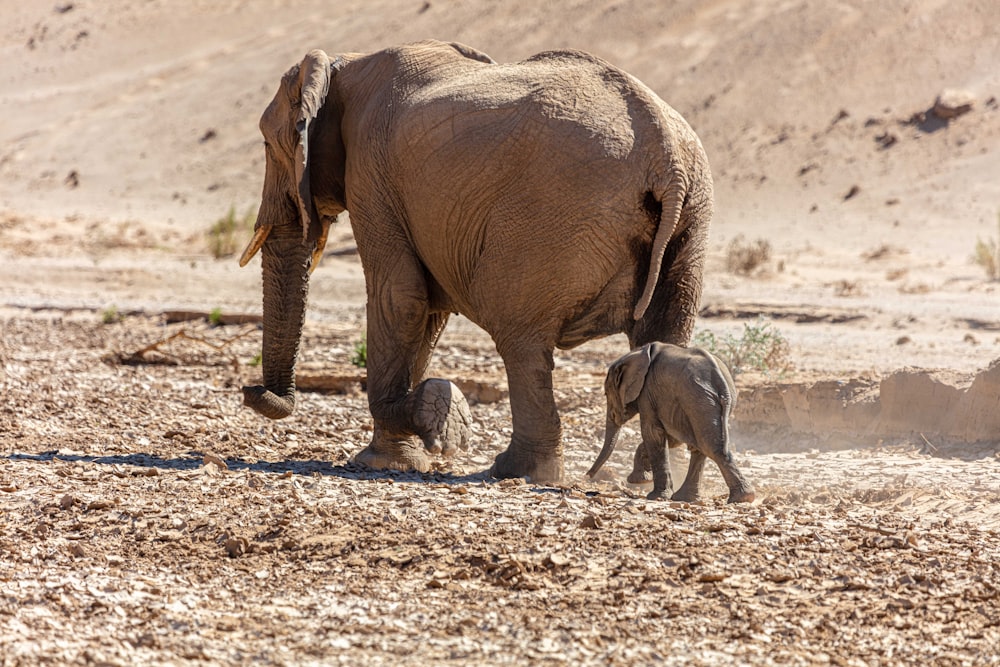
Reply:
x=845, y=288
x=226, y=234
x=987, y=255
x=745, y=257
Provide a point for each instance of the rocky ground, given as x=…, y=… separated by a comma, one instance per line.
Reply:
x=148, y=519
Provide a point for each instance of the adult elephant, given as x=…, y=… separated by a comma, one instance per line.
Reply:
x=550, y=201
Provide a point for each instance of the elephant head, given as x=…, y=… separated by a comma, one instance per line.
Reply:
x=625, y=380
x=290, y=230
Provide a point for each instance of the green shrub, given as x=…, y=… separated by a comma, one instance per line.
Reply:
x=226, y=234
x=360, y=356
x=761, y=347
x=215, y=317
x=110, y=315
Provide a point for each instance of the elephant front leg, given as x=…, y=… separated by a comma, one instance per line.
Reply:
x=535, y=449
x=433, y=417
x=654, y=441
x=436, y=412
x=642, y=469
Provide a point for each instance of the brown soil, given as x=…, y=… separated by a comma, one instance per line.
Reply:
x=147, y=518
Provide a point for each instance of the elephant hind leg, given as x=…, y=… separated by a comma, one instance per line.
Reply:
x=535, y=449
x=717, y=449
x=691, y=488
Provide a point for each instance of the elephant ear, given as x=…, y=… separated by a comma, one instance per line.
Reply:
x=635, y=367
x=626, y=378
x=314, y=82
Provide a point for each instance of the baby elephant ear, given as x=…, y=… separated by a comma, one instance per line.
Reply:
x=634, y=367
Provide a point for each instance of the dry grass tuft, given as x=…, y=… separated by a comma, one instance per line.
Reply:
x=746, y=257
x=987, y=254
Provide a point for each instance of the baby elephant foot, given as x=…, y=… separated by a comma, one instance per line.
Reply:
x=657, y=495
x=640, y=477
x=685, y=495
x=744, y=494
x=441, y=416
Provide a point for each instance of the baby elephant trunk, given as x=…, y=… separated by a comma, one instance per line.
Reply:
x=611, y=432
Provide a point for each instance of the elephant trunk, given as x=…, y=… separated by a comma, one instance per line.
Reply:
x=286, y=261
x=611, y=432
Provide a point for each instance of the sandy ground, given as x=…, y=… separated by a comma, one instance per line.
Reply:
x=147, y=518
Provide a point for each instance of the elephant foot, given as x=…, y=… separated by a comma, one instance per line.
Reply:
x=437, y=412
x=441, y=416
x=640, y=477
x=657, y=495
x=741, y=495
x=538, y=466
x=383, y=454
x=683, y=495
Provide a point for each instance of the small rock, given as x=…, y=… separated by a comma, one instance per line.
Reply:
x=236, y=546
x=212, y=459
x=953, y=103
x=590, y=521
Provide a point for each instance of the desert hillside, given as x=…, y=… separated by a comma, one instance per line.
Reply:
x=148, y=110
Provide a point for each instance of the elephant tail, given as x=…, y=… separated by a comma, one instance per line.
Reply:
x=670, y=206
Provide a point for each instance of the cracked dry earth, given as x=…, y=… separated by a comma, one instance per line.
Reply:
x=147, y=518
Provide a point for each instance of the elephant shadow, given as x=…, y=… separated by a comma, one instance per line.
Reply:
x=195, y=459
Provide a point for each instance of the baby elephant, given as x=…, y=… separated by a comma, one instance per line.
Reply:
x=685, y=394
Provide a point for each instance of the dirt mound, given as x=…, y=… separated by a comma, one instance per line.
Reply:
x=942, y=406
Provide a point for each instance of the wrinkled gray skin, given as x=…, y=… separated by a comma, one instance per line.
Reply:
x=550, y=201
x=683, y=395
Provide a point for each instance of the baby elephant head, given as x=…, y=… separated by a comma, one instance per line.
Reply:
x=623, y=385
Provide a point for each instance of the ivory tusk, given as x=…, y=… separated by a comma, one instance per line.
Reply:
x=256, y=242
x=320, y=246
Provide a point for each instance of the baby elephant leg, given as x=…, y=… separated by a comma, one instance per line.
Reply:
x=662, y=484
x=740, y=490
x=717, y=449
x=689, y=490
x=642, y=469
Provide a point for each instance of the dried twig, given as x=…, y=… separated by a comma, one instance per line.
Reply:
x=139, y=356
